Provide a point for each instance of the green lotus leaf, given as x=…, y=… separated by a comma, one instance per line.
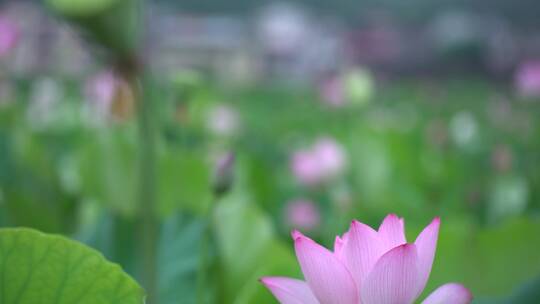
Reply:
x=49, y=269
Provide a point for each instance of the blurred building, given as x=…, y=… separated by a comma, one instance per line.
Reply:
x=217, y=45
x=285, y=43
x=280, y=43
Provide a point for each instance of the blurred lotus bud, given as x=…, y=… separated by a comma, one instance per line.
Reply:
x=332, y=91
x=223, y=120
x=9, y=35
x=509, y=196
x=224, y=173
x=303, y=215
x=123, y=106
x=464, y=128
x=114, y=24
x=359, y=86
x=501, y=159
x=321, y=163
x=527, y=79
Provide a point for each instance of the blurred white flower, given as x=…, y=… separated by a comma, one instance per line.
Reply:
x=45, y=97
x=223, y=120
x=464, y=128
x=509, y=197
x=283, y=29
x=302, y=214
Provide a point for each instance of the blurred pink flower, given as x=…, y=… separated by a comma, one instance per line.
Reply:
x=306, y=168
x=101, y=89
x=332, y=92
x=330, y=155
x=367, y=267
x=324, y=161
x=528, y=79
x=9, y=35
x=303, y=214
x=110, y=97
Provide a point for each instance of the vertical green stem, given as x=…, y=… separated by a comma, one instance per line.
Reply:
x=205, y=260
x=149, y=226
x=202, y=280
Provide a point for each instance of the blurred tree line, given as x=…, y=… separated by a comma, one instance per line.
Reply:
x=521, y=12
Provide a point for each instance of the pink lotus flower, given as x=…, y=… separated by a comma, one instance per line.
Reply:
x=367, y=267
